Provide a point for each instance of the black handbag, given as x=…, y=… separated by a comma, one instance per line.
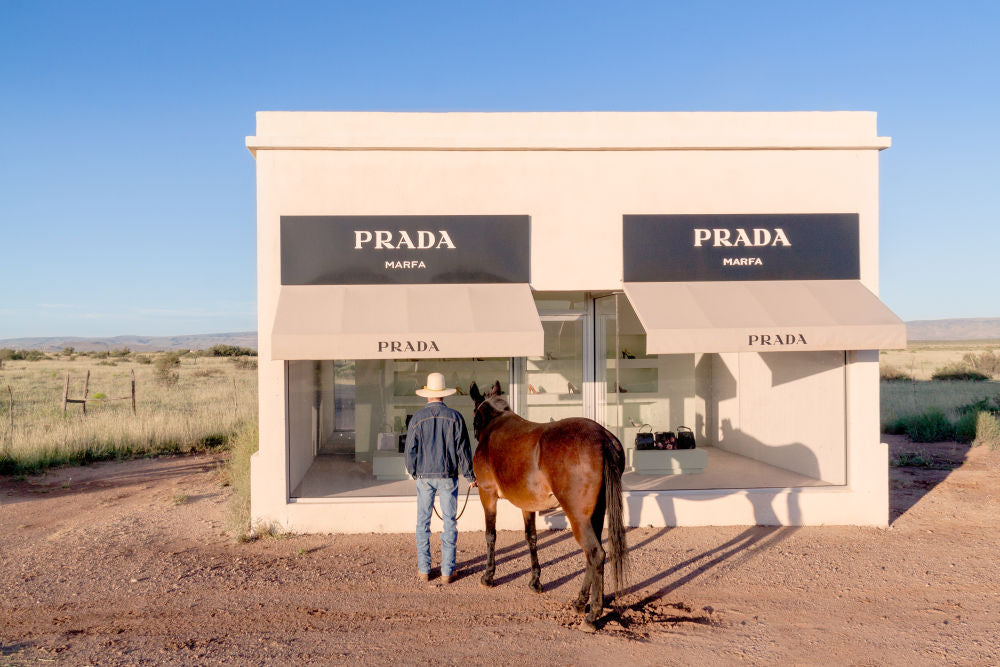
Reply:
x=665, y=440
x=685, y=438
x=644, y=439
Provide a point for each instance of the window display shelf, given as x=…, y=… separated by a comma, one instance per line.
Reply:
x=546, y=398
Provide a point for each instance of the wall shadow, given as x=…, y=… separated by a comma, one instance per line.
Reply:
x=924, y=466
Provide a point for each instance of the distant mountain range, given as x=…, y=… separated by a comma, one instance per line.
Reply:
x=135, y=343
x=981, y=328
x=978, y=328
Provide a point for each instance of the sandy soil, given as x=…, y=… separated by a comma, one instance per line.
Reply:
x=128, y=563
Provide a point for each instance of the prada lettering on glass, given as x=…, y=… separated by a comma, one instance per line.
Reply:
x=686, y=248
x=404, y=249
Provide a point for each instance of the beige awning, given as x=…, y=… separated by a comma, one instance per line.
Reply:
x=406, y=322
x=763, y=316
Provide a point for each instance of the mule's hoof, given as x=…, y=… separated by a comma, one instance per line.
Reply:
x=486, y=582
x=536, y=586
x=580, y=608
x=588, y=626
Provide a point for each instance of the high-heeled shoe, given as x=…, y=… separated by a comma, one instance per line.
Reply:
x=620, y=389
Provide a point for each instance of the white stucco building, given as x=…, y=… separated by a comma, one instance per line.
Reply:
x=717, y=271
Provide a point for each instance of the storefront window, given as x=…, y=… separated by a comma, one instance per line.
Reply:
x=760, y=420
x=346, y=419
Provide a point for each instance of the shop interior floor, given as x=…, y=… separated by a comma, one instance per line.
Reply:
x=338, y=476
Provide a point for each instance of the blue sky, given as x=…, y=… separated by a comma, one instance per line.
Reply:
x=127, y=197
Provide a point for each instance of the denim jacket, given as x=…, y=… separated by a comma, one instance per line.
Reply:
x=437, y=443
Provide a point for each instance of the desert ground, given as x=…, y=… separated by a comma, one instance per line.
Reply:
x=129, y=563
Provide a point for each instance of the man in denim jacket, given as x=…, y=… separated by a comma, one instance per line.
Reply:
x=437, y=449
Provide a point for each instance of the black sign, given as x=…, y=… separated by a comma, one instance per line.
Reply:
x=688, y=248
x=404, y=249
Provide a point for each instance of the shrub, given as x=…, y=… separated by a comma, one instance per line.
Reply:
x=893, y=374
x=232, y=351
x=912, y=460
x=965, y=427
x=245, y=363
x=120, y=352
x=68, y=351
x=238, y=477
x=987, y=430
x=982, y=405
x=144, y=359
x=930, y=426
x=8, y=354
x=166, y=368
x=986, y=362
x=958, y=372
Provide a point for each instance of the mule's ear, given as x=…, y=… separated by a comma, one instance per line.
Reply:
x=497, y=390
x=477, y=398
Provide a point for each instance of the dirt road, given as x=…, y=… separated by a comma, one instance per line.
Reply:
x=123, y=563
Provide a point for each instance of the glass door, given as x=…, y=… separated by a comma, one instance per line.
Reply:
x=551, y=386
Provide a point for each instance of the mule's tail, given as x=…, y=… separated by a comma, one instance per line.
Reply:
x=614, y=466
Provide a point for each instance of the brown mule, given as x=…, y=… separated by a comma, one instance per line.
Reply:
x=576, y=464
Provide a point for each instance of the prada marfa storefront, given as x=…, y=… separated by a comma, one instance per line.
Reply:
x=651, y=271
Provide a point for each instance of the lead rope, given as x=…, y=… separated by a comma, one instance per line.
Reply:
x=459, y=515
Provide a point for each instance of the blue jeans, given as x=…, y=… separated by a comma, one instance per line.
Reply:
x=447, y=489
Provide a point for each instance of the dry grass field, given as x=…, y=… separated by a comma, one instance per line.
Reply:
x=922, y=358
x=196, y=403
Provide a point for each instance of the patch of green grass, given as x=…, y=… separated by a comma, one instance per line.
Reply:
x=900, y=399
x=929, y=426
x=918, y=459
x=179, y=498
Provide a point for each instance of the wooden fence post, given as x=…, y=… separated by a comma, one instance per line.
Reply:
x=10, y=406
x=132, y=373
x=86, y=388
x=65, y=392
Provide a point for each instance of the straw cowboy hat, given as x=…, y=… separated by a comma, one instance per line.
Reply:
x=435, y=387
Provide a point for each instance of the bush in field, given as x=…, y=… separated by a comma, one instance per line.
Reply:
x=68, y=351
x=238, y=477
x=987, y=363
x=166, y=368
x=143, y=359
x=930, y=426
x=7, y=354
x=982, y=405
x=965, y=427
x=245, y=363
x=958, y=372
x=893, y=374
x=232, y=351
x=120, y=352
x=987, y=430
